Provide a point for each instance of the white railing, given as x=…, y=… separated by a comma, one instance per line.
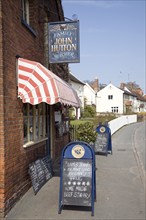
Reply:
x=117, y=123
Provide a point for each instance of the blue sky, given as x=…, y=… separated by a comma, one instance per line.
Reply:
x=112, y=40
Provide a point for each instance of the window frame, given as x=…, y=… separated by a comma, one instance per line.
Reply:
x=25, y=11
x=110, y=97
x=25, y=19
x=35, y=123
x=115, y=109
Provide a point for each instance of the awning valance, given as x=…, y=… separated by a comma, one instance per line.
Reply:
x=37, y=84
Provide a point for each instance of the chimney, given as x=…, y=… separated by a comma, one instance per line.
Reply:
x=95, y=85
x=122, y=85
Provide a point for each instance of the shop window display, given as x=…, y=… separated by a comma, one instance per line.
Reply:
x=35, y=122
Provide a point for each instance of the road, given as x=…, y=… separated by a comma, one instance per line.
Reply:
x=120, y=188
x=134, y=136
x=140, y=142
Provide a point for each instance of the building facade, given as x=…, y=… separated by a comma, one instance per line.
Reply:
x=109, y=100
x=89, y=95
x=78, y=85
x=112, y=99
x=28, y=129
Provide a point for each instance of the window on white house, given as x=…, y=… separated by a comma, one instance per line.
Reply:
x=35, y=122
x=115, y=109
x=110, y=96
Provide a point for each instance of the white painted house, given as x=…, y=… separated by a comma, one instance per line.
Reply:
x=89, y=95
x=130, y=102
x=110, y=99
x=78, y=86
x=85, y=92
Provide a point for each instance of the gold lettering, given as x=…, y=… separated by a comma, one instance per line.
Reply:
x=74, y=47
x=60, y=41
x=63, y=47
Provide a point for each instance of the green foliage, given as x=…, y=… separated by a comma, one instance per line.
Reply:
x=89, y=111
x=78, y=122
x=72, y=113
x=95, y=120
x=105, y=118
x=84, y=129
x=86, y=132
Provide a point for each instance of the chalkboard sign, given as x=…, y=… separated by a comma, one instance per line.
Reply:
x=40, y=172
x=77, y=179
x=77, y=182
x=101, y=143
x=47, y=167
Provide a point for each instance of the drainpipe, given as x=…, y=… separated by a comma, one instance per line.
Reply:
x=51, y=112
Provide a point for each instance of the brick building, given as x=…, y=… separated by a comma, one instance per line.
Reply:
x=27, y=132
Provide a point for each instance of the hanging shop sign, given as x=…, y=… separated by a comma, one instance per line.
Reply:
x=64, y=43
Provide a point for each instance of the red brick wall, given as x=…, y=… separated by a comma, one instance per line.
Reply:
x=1, y=122
x=15, y=39
x=59, y=144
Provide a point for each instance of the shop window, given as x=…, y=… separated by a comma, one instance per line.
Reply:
x=35, y=122
x=110, y=96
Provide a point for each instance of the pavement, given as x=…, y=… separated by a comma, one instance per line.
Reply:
x=120, y=192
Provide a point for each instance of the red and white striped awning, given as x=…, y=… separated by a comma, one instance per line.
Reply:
x=37, y=84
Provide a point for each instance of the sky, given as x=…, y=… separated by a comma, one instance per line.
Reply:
x=112, y=40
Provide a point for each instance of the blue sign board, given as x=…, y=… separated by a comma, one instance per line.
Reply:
x=103, y=143
x=77, y=180
x=64, y=42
